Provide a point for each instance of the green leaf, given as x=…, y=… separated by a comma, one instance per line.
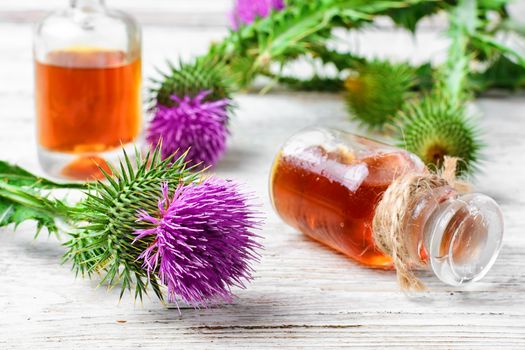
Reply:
x=513, y=26
x=341, y=60
x=17, y=176
x=14, y=213
x=409, y=17
x=492, y=43
x=21, y=200
x=19, y=204
x=288, y=34
x=502, y=74
x=315, y=83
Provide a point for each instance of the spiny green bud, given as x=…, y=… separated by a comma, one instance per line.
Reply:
x=433, y=129
x=377, y=91
x=190, y=79
x=107, y=244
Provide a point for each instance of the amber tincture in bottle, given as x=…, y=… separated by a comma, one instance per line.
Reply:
x=87, y=88
x=327, y=183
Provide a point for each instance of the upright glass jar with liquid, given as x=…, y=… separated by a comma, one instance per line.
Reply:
x=327, y=183
x=87, y=88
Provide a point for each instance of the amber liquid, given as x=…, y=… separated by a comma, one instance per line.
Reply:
x=88, y=101
x=331, y=197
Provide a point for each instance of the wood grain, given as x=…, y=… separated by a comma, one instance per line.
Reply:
x=182, y=13
x=303, y=295
x=196, y=13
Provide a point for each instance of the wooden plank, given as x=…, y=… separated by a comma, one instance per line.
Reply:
x=195, y=13
x=207, y=13
x=303, y=295
x=158, y=5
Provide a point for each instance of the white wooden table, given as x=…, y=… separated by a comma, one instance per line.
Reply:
x=303, y=295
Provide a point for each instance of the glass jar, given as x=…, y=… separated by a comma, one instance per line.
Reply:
x=327, y=184
x=87, y=88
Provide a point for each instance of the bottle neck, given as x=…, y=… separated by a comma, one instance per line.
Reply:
x=457, y=235
x=417, y=222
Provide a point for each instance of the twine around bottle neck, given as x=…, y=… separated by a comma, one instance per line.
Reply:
x=393, y=212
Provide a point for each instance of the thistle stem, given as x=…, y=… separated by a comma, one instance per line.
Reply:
x=33, y=200
x=463, y=24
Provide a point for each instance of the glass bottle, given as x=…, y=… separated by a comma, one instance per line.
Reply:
x=87, y=88
x=327, y=183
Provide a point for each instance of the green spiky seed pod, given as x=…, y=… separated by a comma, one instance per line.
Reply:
x=433, y=129
x=377, y=91
x=190, y=79
x=107, y=244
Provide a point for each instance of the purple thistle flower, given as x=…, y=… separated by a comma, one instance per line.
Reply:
x=191, y=124
x=203, y=242
x=246, y=11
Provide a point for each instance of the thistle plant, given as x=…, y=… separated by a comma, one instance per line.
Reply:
x=313, y=42
x=439, y=124
x=192, y=101
x=292, y=32
x=153, y=223
x=22, y=198
x=191, y=104
x=192, y=124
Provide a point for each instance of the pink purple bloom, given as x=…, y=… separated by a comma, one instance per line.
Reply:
x=191, y=124
x=246, y=11
x=203, y=241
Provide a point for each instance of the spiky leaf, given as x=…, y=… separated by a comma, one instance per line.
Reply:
x=293, y=31
x=21, y=198
x=409, y=17
x=502, y=74
x=315, y=83
x=20, y=204
x=17, y=176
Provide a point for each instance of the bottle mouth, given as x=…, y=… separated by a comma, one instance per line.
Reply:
x=464, y=238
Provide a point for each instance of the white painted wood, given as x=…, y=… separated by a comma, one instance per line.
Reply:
x=207, y=13
x=303, y=295
x=158, y=12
